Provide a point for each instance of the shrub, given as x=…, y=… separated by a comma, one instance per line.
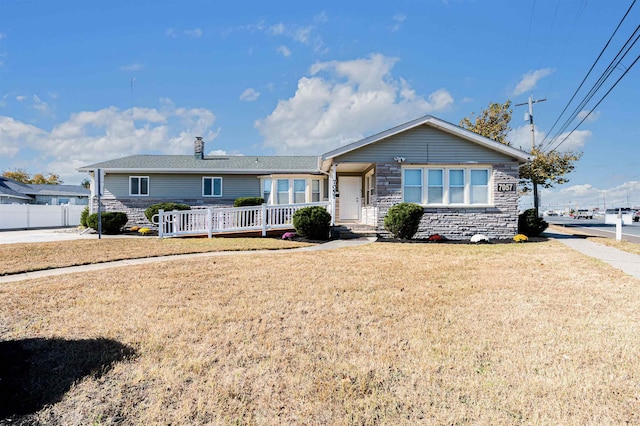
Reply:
x=402, y=220
x=83, y=217
x=248, y=201
x=144, y=231
x=530, y=225
x=312, y=222
x=112, y=222
x=435, y=238
x=153, y=209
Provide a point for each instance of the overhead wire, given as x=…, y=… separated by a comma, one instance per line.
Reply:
x=588, y=73
x=615, y=62
x=596, y=105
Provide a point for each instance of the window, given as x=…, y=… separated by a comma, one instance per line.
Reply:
x=212, y=187
x=138, y=185
x=413, y=186
x=266, y=190
x=369, y=188
x=446, y=185
x=435, y=189
x=479, y=187
x=456, y=186
x=315, y=190
x=283, y=191
x=299, y=190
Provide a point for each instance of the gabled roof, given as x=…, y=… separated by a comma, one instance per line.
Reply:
x=27, y=191
x=436, y=123
x=209, y=164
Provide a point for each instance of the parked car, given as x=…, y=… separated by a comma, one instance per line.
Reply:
x=583, y=214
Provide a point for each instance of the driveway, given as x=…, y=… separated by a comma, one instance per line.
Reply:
x=45, y=235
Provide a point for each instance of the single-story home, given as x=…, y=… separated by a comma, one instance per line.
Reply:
x=14, y=192
x=467, y=184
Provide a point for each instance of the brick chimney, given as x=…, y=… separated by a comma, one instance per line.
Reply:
x=198, y=148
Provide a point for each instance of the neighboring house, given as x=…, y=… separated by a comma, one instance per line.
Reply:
x=14, y=192
x=466, y=183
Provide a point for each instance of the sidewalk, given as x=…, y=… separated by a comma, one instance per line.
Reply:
x=629, y=263
x=331, y=245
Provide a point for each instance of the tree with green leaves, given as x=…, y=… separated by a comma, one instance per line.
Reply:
x=546, y=168
x=23, y=176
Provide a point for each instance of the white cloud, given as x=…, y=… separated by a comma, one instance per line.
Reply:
x=40, y=105
x=277, y=29
x=131, y=67
x=171, y=32
x=284, y=50
x=92, y=136
x=321, y=18
x=195, y=33
x=249, y=95
x=341, y=102
x=20, y=98
x=530, y=79
x=590, y=118
x=398, y=20
x=589, y=196
x=520, y=137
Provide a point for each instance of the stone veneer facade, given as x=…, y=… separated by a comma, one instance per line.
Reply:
x=135, y=207
x=455, y=223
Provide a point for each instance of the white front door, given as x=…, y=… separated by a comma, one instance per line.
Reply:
x=350, y=188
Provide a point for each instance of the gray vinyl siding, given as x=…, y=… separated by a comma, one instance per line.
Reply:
x=170, y=186
x=422, y=145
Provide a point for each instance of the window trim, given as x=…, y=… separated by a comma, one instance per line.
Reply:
x=308, y=191
x=139, y=194
x=446, y=193
x=213, y=194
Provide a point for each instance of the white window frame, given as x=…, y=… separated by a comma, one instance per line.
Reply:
x=446, y=193
x=213, y=186
x=139, y=194
x=308, y=188
x=369, y=188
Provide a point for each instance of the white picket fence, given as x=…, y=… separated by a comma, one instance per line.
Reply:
x=25, y=216
x=211, y=221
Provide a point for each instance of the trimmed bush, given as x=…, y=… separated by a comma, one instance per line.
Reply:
x=83, y=217
x=112, y=222
x=248, y=201
x=312, y=222
x=167, y=207
x=530, y=225
x=402, y=220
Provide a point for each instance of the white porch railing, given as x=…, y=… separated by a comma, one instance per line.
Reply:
x=211, y=221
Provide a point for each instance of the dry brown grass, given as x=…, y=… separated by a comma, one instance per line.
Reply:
x=380, y=334
x=16, y=258
x=627, y=246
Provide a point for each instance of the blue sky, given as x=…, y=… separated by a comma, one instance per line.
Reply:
x=82, y=82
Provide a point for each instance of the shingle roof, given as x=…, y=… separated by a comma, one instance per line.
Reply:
x=27, y=191
x=230, y=164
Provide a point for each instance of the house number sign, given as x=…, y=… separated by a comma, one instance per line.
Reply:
x=506, y=187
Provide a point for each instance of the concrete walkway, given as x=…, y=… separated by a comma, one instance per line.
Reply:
x=331, y=245
x=629, y=263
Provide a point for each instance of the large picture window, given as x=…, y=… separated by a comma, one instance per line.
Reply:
x=212, y=187
x=139, y=185
x=299, y=191
x=291, y=190
x=455, y=186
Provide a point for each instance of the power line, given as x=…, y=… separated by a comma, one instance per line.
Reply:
x=589, y=72
x=615, y=62
x=596, y=105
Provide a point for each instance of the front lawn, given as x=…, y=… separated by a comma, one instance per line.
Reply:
x=378, y=334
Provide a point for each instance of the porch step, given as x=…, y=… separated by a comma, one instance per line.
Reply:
x=355, y=230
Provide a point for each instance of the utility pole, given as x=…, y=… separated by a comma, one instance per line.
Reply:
x=536, y=202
